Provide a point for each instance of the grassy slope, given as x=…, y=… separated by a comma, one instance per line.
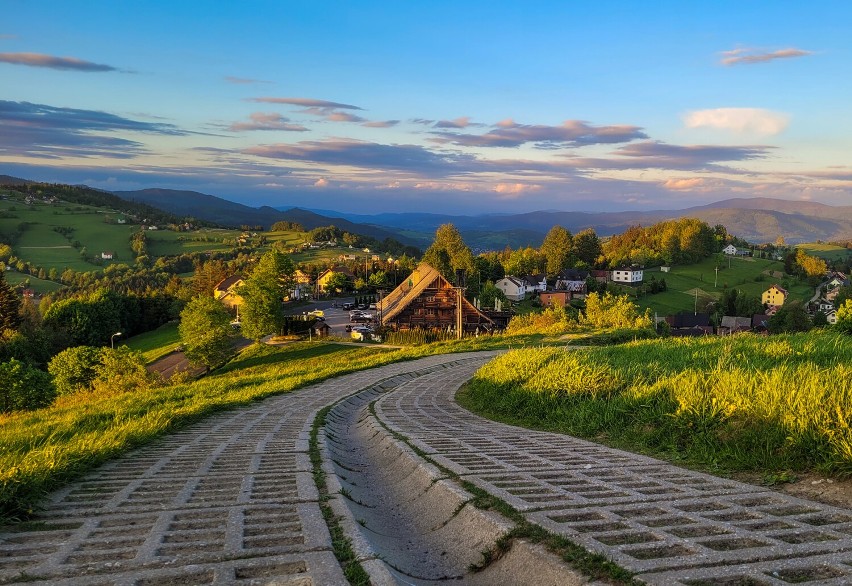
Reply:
x=751, y=276
x=156, y=343
x=746, y=403
x=827, y=251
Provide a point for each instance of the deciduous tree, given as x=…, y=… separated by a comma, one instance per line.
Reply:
x=206, y=332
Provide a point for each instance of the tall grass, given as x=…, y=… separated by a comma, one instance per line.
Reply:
x=745, y=403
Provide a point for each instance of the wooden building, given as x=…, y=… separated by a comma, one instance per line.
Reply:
x=426, y=300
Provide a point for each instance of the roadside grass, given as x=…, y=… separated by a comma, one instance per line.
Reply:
x=156, y=343
x=42, y=286
x=740, y=404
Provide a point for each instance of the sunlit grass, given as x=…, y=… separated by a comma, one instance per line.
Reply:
x=745, y=403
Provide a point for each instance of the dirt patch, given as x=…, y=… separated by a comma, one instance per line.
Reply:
x=812, y=486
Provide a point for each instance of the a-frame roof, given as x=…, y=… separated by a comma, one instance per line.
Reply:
x=422, y=278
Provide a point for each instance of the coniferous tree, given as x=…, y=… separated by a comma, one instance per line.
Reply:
x=10, y=305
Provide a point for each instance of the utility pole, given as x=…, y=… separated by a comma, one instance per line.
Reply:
x=715, y=283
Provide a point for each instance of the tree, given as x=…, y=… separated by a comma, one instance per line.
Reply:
x=262, y=310
x=812, y=266
x=790, y=317
x=587, y=247
x=488, y=294
x=10, y=306
x=844, y=317
x=614, y=311
x=121, y=370
x=73, y=369
x=556, y=249
x=23, y=387
x=448, y=253
x=206, y=332
x=336, y=282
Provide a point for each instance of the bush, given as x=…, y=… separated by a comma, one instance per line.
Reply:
x=73, y=369
x=122, y=370
x=23, y=387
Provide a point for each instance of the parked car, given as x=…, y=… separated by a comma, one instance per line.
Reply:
x=362, y=333
x=317, y=313
x=373, y=306
x=348, y=305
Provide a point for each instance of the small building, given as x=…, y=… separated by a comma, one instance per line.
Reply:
x=226, y=291
x=775, y=295
x=687, y=320
x=322, y=279
x=107, y=255
x=760, y=323
x=535, y=283
x=734, y=325
x=730, y=250
x=629, y=275
x=831, y=316
x=513, y=288
x=427, y=300
x=601, y=276
x=555, y=298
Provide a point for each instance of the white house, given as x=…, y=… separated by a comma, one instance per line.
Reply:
x=831, y=316
x=730, y=249
x=513, y=288
x=107, y=255
x=627, y=275
x=536, y=283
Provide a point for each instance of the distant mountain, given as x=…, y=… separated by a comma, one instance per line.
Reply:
x=228, y=213
x=9, y=180
x=756, y=220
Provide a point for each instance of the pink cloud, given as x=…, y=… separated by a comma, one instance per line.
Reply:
x=751, y=56
x=266, y=121
x=306, y=102
x=52, y=62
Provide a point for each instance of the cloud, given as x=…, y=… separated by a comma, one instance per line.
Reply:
x=244, y=80
x=508, y=133
x=462, y=122
x=514, y=190
x=659, y=155
x=51, y=62
x=6, y=37
x=381, y=123
x=684, y=184
x=745, y=120
x=366, y=155
x=46, y=131
x=266, y=121
x=306, y=102
x=423, y=121
x=335, y=116
x=751, y=56
x=321, y=182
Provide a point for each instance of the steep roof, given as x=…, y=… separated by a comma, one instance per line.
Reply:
x=227, y=282
x=422, y=278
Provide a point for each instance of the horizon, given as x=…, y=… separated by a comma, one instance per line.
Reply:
x=471, y=110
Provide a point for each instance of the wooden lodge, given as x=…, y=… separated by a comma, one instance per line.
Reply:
x=427, y=300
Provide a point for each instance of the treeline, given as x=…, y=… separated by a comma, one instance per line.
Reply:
x=682, y=241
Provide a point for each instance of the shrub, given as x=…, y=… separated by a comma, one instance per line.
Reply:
x=73, y=369
x=122, y=370
x=23, y=387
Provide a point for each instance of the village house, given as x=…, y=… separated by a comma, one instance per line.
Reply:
x=687, y=323
x=629, y=275
x=555, y=298
x=513, y=288
x=107, y=255
x=427, y=300
x=226, y=291
x=601, y=276
x=730, y=249
x=535, y=283
x=322, y=279
x=775, y=296
x=733, y=325
x=831, y=316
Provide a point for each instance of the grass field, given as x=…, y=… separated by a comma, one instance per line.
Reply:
x=742, y=403
x=829, y=252
x=38, y=285
x=751, y=276
x=157, y=343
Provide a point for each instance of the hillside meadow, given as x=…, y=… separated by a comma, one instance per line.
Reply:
x=751, y=276
x=743, y=403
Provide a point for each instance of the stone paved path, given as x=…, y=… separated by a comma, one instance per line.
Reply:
x=670, y=525
x=229, y=500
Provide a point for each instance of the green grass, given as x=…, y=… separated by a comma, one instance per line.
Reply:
x=157, y=343
x=746, y=403
x=829, y=252
x=752, y=276
x=38, y=285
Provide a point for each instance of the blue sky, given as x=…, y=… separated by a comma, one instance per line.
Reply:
x=460, y=107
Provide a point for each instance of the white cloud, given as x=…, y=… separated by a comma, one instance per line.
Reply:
x=321, y=182
x=744, y=120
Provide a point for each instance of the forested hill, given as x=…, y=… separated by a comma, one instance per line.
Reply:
x=82, y=195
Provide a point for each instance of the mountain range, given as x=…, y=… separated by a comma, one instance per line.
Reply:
x=753, y=219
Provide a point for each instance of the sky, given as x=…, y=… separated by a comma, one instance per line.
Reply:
x=446, y=107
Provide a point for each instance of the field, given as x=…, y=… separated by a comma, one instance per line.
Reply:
x=157, y=343
x=747, y=403
x=829, y=252
x=751, y=276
